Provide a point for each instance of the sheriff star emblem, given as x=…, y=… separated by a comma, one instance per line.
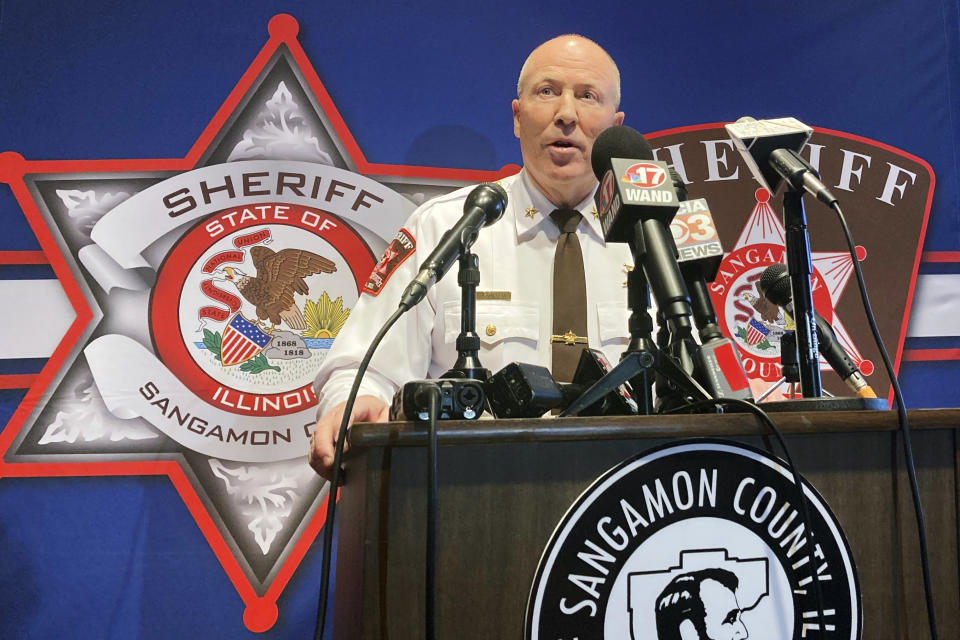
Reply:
x=207, y=290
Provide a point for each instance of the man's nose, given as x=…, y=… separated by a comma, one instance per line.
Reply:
x=567, y=109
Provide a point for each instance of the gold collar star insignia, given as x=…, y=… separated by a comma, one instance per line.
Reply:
x=531, y=211
x=593, y=212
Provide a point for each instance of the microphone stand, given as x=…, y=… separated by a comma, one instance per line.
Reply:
x=669, y=395
x=458, y=392
x=467, y=366
x=800, y=267
x=641, y=345
x=788, y=360
x=660, y=383
x=468, y=342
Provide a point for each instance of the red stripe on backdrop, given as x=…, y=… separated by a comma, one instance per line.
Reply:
x=921, y=355
x=17, y=380
x=941, y=256
x=23, y=257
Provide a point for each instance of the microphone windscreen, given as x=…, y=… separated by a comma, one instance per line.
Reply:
x=618, y=142
x=774, y=284
x=491, y=198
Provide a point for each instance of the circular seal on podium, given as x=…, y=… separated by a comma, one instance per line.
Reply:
x=703, y=539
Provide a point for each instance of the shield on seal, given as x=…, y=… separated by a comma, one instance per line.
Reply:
x=242, y=340
x=755, y=332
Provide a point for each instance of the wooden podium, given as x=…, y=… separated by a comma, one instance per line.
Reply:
x=506, y=484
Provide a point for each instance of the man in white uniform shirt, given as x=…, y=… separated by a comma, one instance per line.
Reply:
x=567, y=94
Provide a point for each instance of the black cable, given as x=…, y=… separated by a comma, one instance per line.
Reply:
x=797, y=480
x=433, y=472
x=335, y=477
x=904, y=426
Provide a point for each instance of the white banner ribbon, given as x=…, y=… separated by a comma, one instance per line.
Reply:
x=373, y=210
x=135, y=384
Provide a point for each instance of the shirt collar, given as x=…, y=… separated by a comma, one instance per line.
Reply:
x=533, y=210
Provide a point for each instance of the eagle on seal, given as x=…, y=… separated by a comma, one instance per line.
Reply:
x=280, y=274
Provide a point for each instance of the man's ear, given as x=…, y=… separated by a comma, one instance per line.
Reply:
x=618, y=118
x=515, y=105
x=688, y=631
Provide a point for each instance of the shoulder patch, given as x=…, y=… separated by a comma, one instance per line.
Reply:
x=399, y=249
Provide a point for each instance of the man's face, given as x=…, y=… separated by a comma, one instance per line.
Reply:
x=567, y=98
x=722, y=612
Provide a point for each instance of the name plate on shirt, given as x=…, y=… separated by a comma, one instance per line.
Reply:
x=493, y=295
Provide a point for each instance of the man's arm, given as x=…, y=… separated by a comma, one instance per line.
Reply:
x=381, y=380
x=324, y=440
x=387, y=371
x=405, y=353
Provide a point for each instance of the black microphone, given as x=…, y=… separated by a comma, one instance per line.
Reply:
x=483, y=206
x=633, y=186
x=699, y=254
x=774, y=284
x=636, y=202
x=771, y=151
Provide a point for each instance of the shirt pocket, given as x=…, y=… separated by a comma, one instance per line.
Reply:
x=613, y=322
x=497, y=321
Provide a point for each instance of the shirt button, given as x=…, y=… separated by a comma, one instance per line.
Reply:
x=491, y=329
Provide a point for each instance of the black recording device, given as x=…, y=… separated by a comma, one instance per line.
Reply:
x=521, y=390
x=460, y=399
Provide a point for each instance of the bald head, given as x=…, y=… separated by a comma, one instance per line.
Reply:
x=568, y=93
x=568, y=44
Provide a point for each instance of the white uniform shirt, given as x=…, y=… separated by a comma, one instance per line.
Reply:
x=516, y=260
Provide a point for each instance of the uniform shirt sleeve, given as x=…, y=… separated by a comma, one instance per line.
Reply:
x=404, y=354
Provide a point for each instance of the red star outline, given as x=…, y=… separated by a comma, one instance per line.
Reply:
x=260, y=613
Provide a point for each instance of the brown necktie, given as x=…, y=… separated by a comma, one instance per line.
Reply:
x=569, y=297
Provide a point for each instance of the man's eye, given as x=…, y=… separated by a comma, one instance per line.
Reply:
x=590, y=95
x=546, y=91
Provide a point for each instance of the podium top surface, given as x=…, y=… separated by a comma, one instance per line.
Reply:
x=393, y=434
